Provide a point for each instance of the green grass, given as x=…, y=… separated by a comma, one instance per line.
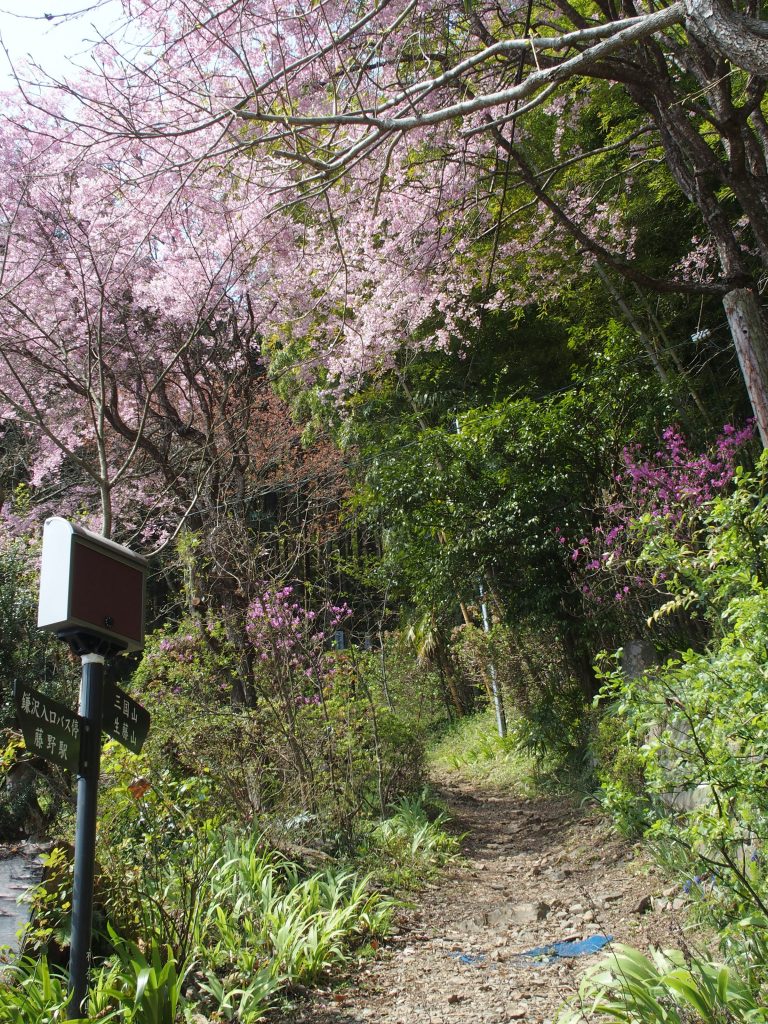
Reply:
x=409, y=847
x=473, y=751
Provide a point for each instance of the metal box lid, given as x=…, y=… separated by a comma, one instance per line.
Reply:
x=91, y=586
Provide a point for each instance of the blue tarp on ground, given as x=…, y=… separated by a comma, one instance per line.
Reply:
x=542, y=955
x=556, y=950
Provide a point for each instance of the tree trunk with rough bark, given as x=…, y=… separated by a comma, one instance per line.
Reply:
x=751, y=343
x=741, y=39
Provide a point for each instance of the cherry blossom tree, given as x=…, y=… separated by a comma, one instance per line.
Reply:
x=130, y=342
x=378, y=174
x=406, y=139
x=132, y=379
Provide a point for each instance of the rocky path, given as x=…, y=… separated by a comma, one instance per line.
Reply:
x=534, y=873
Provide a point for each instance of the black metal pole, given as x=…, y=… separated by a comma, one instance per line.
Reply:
x=91, y=688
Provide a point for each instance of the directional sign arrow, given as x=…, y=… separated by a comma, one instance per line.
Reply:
x=49, y=728
x=123, y=719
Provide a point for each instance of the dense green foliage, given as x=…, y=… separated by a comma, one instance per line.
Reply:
x=682, y=754
x=33, y=658
x=323, y=613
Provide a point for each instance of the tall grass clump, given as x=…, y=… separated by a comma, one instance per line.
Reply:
x=411, y=845
x=473, y=750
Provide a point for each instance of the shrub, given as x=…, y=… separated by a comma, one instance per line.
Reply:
x=625, y=567
x=620, y=769
x=330, y=738
x=699, y=724
x=669, y=988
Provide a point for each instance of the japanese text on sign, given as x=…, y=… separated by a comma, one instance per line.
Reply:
x=124, y=720
x=50, y=729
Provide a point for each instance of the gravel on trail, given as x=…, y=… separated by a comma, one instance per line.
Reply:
x=533, y=872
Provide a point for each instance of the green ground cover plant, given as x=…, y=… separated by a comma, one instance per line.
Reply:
x=203, y=917
x=682, y=753
x=411, y=845
x=667, y=988
x=473, y=750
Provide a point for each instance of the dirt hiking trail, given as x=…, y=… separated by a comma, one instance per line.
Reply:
x=534, y=872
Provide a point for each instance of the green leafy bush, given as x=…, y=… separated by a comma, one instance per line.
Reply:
x=620, y=768
x=331, y=748
x=156, y=847
x=669, y=988
x=27, y=655
x=696, y=729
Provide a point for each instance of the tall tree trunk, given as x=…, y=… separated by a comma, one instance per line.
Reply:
x=749, y=338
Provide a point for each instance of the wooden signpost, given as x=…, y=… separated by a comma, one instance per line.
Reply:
x=92, y=595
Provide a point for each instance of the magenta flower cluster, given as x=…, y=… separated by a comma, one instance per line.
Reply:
x=674, y=479
x=291, y=641
x=668, y=486
x=181, y=648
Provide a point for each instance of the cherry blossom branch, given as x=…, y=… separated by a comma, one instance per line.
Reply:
x=625, y=267
x=639, y=29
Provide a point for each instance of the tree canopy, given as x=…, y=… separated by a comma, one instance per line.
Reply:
x=427, y=161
